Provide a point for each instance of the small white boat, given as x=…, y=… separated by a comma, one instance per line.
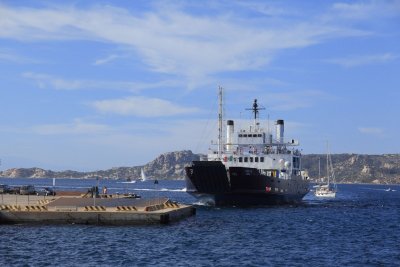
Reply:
x=129, y=182
x=328, y=189
x=325, y=191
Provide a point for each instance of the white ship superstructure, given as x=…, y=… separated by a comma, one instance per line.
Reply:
x=250, y=166
x=256, y=148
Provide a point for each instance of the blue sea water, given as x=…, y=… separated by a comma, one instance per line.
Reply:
x=361, y=227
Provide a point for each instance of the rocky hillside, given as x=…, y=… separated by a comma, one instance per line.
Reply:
x=355, y=168
x=170, y=165
x=166, y=166
x=349, y=168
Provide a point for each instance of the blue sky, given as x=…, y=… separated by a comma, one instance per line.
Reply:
x=91, y=85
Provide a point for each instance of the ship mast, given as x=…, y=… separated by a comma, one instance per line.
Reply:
x=220, y=110
x=255, y=110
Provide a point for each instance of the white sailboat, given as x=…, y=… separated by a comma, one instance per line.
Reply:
x=328, y=189
x=143, y=175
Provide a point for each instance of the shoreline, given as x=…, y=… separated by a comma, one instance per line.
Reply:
x=160, y=179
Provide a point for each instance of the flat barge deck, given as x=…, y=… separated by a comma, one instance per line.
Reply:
x=99, y=211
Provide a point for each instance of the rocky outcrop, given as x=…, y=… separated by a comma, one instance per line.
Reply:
x=170, y=165
x=349, y=168
x=23, y=172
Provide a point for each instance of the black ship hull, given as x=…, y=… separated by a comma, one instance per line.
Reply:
x=211, y=183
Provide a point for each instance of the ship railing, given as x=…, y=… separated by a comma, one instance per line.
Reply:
x=265, y=151
x=249, y=152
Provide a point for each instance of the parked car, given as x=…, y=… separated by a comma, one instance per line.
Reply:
x=47, y=191
x=27, y=190
x=14, y=190
x=4, y=189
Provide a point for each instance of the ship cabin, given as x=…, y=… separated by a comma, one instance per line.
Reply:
x=257, y=149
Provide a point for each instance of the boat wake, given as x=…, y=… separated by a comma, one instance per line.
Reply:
x=381, y=189
x=159, y=189
x=205, y=204
x=173, y=190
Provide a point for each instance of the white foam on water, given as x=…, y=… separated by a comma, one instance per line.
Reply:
x=173, y=190
x=154, y=189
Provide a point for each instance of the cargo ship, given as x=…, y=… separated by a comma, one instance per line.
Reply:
x=248, y=167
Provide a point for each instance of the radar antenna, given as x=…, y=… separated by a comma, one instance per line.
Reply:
x=255, y=110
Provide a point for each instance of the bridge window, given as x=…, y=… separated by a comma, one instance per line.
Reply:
x=261, y=159
x=246, y=159
x=251, y=159
x=240, y=159
x=256, y=159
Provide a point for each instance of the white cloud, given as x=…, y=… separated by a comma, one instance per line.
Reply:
x=367, y=9
x=77, y=127
x=141, y=106
x=52, y=82
x=105, y=60
x=172, y=41
x=371, y=131
x=48, y=81
x=11, y=56
x=355, y=61
x=268, y=9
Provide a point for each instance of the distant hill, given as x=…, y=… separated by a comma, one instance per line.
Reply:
x=349, y=168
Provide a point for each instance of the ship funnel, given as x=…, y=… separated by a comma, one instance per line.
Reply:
x=229, y=134
x=280, y=129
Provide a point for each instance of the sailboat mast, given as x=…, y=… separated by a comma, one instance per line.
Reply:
x=319, y=169
x=327, y=161
x=220, y=94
